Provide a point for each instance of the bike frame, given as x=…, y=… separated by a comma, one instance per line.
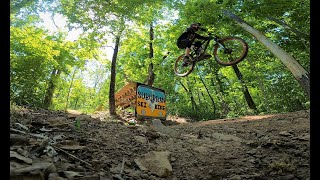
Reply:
x=205, y=44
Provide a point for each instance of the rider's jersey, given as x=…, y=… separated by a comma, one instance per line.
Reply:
x=188, y=35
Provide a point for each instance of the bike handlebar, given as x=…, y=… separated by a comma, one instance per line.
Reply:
x=213, y=36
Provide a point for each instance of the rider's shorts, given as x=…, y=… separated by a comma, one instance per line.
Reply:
x=184, y=43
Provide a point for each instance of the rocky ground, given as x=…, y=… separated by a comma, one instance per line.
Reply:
x=56, y=145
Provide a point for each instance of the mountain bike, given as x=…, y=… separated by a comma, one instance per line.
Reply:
x=227, y=51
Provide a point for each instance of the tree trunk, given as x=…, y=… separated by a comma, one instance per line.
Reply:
x=76, y=103
x=299, y=73
x=245, y=90
x=50, y=90
x=69, y=90
x=212, y=101
x=97, y=77
x=262, y=87
x=112, y=105
x=199, y=98
x=193, y=102
x=219, y=91
x=151, y=75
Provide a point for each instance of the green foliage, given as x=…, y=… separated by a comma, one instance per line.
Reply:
x=31, y=62
x=36, y=53
x=196, y=115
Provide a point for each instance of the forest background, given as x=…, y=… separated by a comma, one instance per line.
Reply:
x=49, y=70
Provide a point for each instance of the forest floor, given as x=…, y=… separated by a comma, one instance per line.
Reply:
x=56, y=145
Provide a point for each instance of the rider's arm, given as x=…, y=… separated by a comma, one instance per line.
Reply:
x=203, y=29
x=198, y=36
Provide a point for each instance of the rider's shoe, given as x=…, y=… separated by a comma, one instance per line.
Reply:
x=204, y=56
x=186, y=61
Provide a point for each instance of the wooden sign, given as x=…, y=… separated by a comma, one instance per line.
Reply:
x=126, y=97
x=149, y=102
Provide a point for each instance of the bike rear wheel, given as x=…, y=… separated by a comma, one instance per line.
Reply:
x=180, y=70
x=235, y=50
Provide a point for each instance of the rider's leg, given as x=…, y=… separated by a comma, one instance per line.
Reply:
x=187, y=52
x=189, y=47
x=187, y=56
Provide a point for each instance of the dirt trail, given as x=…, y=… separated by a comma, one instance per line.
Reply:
x=63, y=146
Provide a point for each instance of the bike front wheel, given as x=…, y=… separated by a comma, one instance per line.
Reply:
x=181, y=70
x=230, y=51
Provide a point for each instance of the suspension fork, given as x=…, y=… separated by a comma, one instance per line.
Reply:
x=226, y=50
x=220, y=44
x=217, y=40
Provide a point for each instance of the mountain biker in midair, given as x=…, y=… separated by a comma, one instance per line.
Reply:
x=187, y=41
